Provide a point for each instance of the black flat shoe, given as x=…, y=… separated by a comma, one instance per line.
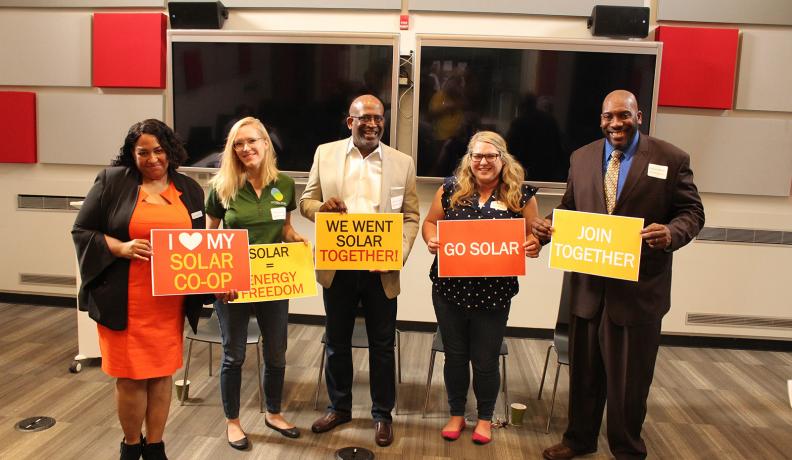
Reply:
x=292, y=432
x=239, y=444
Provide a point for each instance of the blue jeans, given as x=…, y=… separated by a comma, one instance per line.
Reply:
x=471, y=337
x=273, y=321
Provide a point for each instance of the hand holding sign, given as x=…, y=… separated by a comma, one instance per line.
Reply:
x=433, y=245
x=229, y=296
x=542, y=229
x=135, y=249
x=333, y=204
x=657, y=236
x=532, y=247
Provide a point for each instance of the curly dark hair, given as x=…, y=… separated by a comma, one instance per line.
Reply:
x=168, y=140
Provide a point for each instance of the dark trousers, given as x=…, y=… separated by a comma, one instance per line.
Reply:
x=613, y=363
x=471, y=338
x=273, y=321
x=350, y=288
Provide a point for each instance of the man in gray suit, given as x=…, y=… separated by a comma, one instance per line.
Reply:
x=615, y=324
x=361, y=175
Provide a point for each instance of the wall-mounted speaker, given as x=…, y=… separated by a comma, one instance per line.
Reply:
x=619, y=21
x=197, y=15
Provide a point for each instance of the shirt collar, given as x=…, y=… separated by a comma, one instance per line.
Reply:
x=627, y=154
x=351, y=147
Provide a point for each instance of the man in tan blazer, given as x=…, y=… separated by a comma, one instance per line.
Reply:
x=361, y=175
x=615, y=324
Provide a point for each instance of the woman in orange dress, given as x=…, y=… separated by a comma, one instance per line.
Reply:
x=140, y=336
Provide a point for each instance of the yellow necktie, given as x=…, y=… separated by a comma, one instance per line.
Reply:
x=612, y=180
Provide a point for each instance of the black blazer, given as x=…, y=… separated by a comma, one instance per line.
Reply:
x=107, y=210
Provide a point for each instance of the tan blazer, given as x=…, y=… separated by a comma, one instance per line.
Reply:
x=398, y=178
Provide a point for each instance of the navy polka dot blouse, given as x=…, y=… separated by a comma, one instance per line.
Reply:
x=488, y=293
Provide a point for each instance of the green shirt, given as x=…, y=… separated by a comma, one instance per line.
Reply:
x=264, y=216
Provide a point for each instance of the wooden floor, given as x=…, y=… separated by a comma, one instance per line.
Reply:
x=704, y=404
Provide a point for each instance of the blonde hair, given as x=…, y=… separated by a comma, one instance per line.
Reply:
x=232, y=174
x=509, y=189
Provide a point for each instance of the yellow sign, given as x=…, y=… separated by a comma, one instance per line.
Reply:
x=596, y=244
x=280, y=271
x=359, y=241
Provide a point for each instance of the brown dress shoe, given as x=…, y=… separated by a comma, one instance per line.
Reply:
x=329, y=421
x=383, y=433
x=561, y=452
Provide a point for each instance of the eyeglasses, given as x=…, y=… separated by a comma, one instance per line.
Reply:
x=621, y=116
x=378, y=119
x=240, y=144
x=490, y=157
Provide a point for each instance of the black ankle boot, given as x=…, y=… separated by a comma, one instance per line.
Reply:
x=131, y=451
x=154, y=451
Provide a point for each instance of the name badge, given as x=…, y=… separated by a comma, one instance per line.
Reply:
x=658, y=171
x=396, y=202
x=278, y=213
x=197, y=214
x=498, y=205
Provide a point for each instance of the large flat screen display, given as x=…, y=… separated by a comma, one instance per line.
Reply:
x=546, y=102
x=300, y=91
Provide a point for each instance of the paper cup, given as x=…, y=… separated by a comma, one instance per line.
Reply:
x=517, y=412
x=182, y=387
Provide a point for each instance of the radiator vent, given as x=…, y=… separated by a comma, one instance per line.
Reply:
x=48, y=280
x=48, y=202
x=745, y=235
x=766, y=322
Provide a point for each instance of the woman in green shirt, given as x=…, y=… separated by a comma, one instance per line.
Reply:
x=249, y=192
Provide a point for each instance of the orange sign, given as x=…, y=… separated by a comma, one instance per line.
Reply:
x=199, y=261
x=492, y=247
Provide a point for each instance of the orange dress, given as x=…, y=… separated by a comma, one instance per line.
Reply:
x=151, y=345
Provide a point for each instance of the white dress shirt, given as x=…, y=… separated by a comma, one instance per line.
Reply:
x=362, y=180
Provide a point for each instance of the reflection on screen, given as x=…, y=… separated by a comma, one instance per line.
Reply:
x=546, y=103
x=301, y=92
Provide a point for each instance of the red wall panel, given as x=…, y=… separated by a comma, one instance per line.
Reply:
x=129, y=50
x=698, y=68
x=17, y=127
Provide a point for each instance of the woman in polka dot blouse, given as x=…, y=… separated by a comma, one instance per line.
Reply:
x=472, y=312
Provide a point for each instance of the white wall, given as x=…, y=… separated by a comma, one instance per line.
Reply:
x=708, y=277
x=39, y=242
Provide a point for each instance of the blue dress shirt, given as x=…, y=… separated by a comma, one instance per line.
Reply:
x=626, y=161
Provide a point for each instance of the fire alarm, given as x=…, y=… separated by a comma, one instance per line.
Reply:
x=404, y=22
